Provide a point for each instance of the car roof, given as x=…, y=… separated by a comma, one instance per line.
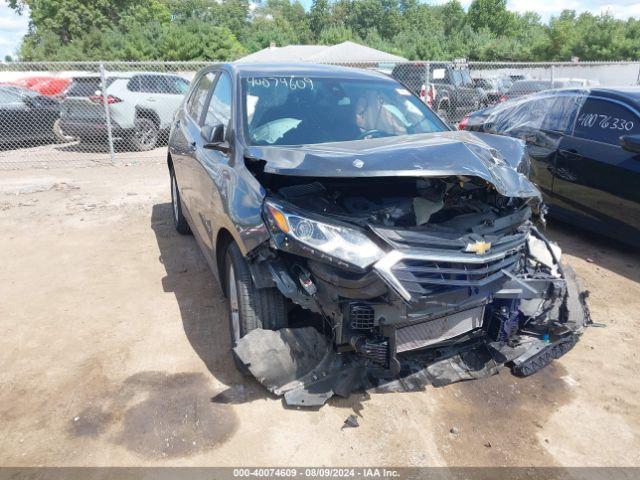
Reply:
x=624, y=94
x=629, y=94
x=305, y=69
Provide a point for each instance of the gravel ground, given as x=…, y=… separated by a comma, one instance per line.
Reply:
x=115, y=352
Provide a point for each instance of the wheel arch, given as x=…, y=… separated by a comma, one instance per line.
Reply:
x=148, y=113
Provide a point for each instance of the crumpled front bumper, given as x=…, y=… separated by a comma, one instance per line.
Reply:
x=303, y=366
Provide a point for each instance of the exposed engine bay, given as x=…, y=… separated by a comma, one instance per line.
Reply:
x=405, y=202
x=413, y=281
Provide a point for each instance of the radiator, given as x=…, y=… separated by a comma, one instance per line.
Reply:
x=420, y=335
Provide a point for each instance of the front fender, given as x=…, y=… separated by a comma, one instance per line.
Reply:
x=513, y=150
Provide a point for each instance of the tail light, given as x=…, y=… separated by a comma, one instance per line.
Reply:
x=463, y=123
x=100, y=99
x=502, y=98
x=427, y=96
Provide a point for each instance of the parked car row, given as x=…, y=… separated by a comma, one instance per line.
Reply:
x=452, y=92
x=141, y=106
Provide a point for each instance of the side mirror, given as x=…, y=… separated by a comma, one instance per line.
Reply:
x=631, y=143
x=212, y=135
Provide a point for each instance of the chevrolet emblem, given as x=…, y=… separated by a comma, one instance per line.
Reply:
x=480, y=247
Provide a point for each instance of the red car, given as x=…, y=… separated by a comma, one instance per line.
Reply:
x=44, y=85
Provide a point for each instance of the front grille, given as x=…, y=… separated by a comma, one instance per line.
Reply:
x=419, y=272
x=424, y=277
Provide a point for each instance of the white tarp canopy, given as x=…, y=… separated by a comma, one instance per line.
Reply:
x=345, y=52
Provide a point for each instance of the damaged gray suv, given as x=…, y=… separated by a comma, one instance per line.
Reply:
x=362, y=243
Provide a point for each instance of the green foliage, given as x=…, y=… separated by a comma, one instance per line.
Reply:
x=227, y=29
x=333, y=35
x=491, y=15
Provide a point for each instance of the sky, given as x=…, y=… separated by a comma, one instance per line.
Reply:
x=13, y=26
x=12, y=29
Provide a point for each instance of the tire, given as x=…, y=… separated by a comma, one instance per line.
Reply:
x=250, y=308
x=145, y=134
x=179, y=220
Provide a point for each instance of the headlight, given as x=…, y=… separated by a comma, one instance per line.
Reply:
x=346, y=244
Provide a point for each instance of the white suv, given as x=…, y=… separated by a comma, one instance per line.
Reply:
x=141, y=107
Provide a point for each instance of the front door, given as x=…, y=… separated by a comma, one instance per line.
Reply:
x=213, y=163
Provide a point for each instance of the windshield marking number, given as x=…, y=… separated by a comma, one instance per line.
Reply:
x=292, y=83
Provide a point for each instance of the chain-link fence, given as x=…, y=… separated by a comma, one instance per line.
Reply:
x=88, y=113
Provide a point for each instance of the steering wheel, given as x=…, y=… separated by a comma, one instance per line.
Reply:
x=374, y=133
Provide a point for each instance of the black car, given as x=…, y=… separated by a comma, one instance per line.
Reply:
x=26, y=116
x=585, y=146
x=456, y=94
x=349, y=226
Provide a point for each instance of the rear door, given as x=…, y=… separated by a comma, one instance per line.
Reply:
x=184, y=142
x=596, y=180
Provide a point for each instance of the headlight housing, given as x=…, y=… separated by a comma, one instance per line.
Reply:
x=343, y=243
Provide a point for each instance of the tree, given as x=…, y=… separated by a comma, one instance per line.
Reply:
x=71, y=19
x=562, y=36
x=265, y=31
x=334, y=35
x=492, y=15
x=319, y=16
x=453, y=17
x=225, y=29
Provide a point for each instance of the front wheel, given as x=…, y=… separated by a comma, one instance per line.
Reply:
x=250, y=308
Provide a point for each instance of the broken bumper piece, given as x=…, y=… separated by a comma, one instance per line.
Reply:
x=302, y=365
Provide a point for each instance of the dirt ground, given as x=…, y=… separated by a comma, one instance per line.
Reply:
x=115, y=352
